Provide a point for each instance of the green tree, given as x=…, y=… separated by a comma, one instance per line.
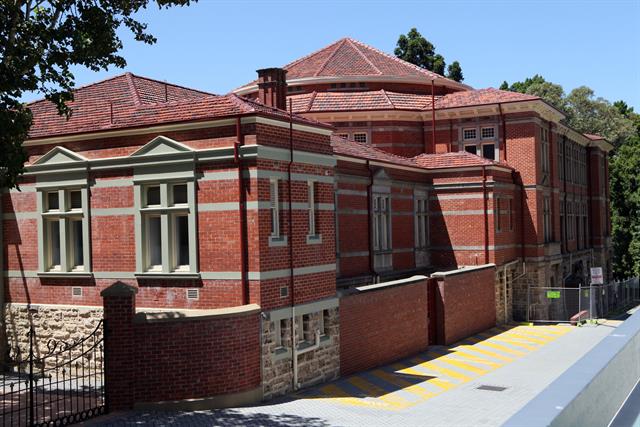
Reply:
x=625, y=208
x=438, y=64
x=454, y=71
x=39, y=43
x=416, y=49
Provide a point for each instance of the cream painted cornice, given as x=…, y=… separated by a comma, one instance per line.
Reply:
x=374, y=79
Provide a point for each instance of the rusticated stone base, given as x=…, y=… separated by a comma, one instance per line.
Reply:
x=316, y=366
x=53, y=324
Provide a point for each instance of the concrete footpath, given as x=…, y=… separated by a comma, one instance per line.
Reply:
x=481, y=381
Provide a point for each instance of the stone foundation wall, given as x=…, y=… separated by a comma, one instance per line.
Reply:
x=59, y=323
x=316, y=366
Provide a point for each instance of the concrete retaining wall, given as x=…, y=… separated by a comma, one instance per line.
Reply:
x=590, y=392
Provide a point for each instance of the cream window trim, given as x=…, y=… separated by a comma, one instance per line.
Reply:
x=67, y=247
x=168, y=214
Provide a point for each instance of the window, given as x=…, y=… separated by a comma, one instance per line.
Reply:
x=312, y=208
x=510, y=211
x=422, y=223
x=469, y=134
x=544, y=150
x=546, y=217
x=487, y=133
x=274, y=207
x=343, y=135
x=498, y=212
x=64, y=227
x=324, y=322
x=281, y=327
x=168, y=228
x=471, y=149
x=381, y=223
x=489, y=151
x=360, y=137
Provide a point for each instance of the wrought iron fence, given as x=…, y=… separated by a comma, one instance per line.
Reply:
x=555, y=304
x=65, y=385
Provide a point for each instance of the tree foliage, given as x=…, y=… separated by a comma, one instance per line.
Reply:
x=454, y=71
x=416, y=49
x=619, y=124
x=40, y=41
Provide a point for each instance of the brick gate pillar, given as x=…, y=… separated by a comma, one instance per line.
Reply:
x=119, y=302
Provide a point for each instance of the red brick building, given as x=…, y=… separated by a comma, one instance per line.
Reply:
x=384, y=170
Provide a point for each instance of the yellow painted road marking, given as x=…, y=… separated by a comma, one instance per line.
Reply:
x=376, y=392
x=448, y=372
x=332, y=391
x=439, y=382
x=475, y=348
x=465, y=355
x=495, y=346
x=404, y=384
x=513, y=342
x=462, y=365
x=535, y=333
x=535, y=340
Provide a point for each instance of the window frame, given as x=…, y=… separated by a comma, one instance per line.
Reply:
x=168, y=212
x=355, y=134
x=276, y=238
x=313, y=236
x=381, y=222
x=475, y=134
x=64, y=215
x=421, y=212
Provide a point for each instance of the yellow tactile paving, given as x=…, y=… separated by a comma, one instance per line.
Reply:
x=439, y=369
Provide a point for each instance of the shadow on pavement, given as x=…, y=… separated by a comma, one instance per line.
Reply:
x=221, y=417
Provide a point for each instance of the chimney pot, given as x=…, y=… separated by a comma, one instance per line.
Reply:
x=272, y=87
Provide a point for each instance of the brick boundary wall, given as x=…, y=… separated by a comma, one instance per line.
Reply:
x=465, y=302
x=172, y=357
x=382, y=323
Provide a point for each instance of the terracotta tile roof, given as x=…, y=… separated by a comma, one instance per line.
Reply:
x=358, y=101
x=359, y=150
x=348, y=57
x=480, y=97
x=386, y=100
x=454, y=160
x=343, y=147
x=127, y=101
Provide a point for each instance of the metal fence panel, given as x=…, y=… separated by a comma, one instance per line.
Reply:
x=556, y=304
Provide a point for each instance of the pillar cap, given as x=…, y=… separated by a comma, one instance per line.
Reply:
x=119, y=289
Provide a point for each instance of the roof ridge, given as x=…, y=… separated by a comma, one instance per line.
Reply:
x=74, y=89
x=402, y=61
x=364, y=56
x=171, y=84
x=326, y=61
x=292, y=63
x=134, y=90
x=387, y=97
x=312, y=100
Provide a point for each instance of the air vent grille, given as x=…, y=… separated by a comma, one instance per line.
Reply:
x=76, y=291
x=284, y=292
x=193, y=294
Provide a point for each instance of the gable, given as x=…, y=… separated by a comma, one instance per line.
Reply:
x=60, y=155
x=161, y=145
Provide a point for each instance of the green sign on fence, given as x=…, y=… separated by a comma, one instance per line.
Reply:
x=553, y=294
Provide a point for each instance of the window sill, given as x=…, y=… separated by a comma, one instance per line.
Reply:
x=66, y=274
x=314, y=239
x=277, y=241
x=161, y=275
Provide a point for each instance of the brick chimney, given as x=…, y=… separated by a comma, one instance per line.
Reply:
x=272, y=87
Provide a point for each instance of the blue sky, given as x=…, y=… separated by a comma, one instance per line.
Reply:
x=218, y=45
